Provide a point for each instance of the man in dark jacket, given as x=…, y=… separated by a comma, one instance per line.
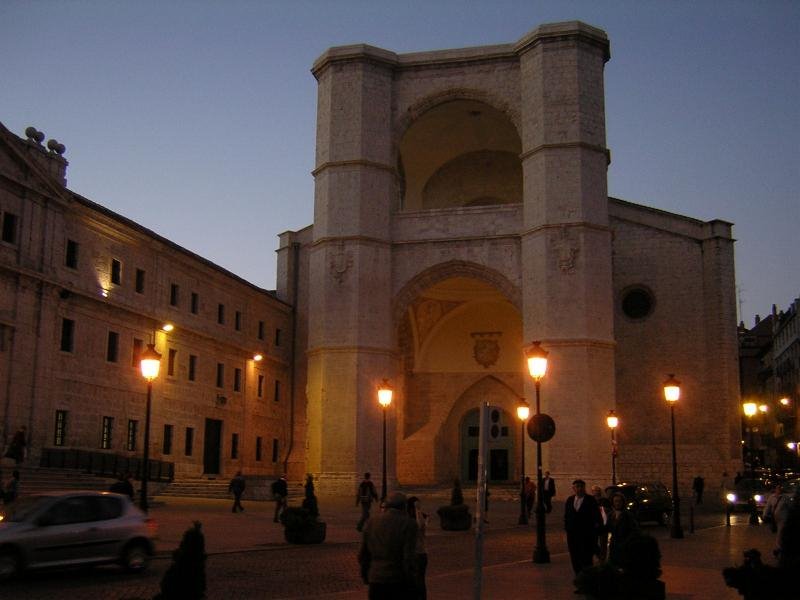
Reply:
x=280, y=489
x=366, y=494
x=582, y=522
x=237, y=486
x=386, y=556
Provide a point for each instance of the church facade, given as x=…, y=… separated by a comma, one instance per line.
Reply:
x=461, y=213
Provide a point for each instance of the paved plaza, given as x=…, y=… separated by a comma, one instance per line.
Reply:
x=248, y=557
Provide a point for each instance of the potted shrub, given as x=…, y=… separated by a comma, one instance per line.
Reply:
x=301, y=523
x=455, y=516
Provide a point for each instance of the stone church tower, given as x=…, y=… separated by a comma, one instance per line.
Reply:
x=461, y=212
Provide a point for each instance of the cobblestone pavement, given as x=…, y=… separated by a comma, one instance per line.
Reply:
x=249, y=559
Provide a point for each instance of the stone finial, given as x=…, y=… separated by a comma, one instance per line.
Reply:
x=55, y=147
x=34, y=135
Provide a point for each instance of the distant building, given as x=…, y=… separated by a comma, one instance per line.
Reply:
x=84, y=290
x=769, y=358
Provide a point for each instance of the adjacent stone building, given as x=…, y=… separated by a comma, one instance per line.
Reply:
x=461, y=213
x=84, y=290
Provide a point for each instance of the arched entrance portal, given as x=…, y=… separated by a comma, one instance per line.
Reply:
x=461, y=343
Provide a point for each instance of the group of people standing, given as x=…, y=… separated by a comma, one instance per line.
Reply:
x=589, y=520
x=392, y=557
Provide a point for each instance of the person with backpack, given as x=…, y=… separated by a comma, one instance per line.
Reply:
x=366, y=494
x=280, y=490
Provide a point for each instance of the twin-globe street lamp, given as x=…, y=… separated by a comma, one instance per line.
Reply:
x=541, y=428
x=384, y=399
x=150, y=363
x=672, y=392
x=523, y=412
x=612, y=420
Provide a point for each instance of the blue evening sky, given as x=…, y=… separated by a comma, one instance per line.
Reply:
x=197, y=118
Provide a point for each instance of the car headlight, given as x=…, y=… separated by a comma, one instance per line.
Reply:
x=731, y=497
x=758, y=497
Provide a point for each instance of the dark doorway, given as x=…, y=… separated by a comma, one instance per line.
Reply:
x=211, y=447
x=498, y=465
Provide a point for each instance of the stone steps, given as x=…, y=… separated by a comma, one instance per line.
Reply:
x=38, y=479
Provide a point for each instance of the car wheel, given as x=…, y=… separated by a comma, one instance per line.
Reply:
x=135, y=558
x=9, y=565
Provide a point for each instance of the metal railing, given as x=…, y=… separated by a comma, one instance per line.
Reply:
x=104, y=464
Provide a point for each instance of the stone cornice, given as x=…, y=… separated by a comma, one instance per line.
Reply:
x=578, y=342
x=359, y=239
x=554, y=32
x=319, y=350
x=353, y=163
x=570, y=224
x=563, y=145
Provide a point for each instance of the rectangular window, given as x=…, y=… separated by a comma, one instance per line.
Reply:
x=261, y=330
x=71, y=257
x=187, y=450
x=238, y=321
x=235, y=445
x=195, y=303
x=260, y=386
x=274, y=450
x=112, y=348
x=220, y=375
x=173, y=354
x=277, y=396
x=9, y=228
x=139, y=281
x=105, y=437
x=67, y=335
x=221, y=314
x=237, y=380
x=192, y=367
x=277, y=337
x=133, y=425
x=258, y=448
x=167, y=445
x=61, y=428
x=136, y=355
x=116, y=271
x=173, y=294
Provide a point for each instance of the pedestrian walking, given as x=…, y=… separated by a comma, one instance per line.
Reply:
x=387, y=553
x=365, y=495
x=789, y=540
x=604, y=505
x=11, y=491
x=16, y=449
x=621, y=526
x=698, y=484
x=279, y=489
x=420, y=591
x=548, y=491
x=529, y=495
x=237, y=486
x=123, y=486
x=776, y=511
x=582, y=521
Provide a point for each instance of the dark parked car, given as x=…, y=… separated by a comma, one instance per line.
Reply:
x=61, y=529
x=745, y=493
x=647, y=501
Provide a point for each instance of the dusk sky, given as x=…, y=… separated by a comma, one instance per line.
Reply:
x=197, y=119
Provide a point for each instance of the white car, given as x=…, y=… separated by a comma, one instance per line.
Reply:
x=63, y=529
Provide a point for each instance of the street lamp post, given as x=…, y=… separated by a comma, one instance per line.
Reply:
x=523, y=411
x=149, y=364
x=537, y=366
x=672, y=392
x=613, y=421
x=750, y=410
x=384, y=399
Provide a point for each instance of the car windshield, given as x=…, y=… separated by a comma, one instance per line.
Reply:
x=22, y=508
x=750, y=485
